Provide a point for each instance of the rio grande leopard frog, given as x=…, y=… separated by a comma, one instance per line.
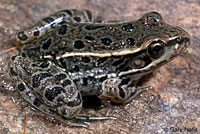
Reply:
x=70, y=54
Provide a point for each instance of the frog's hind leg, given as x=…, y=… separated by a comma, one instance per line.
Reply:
x=43, y=91
x=119, y=90
x=51, y=22
x=48, y=88
x=30, y=97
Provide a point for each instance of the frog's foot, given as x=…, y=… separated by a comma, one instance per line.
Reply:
x=73, y=122
x=116, y=90
x=82, y=120
x=52, y=93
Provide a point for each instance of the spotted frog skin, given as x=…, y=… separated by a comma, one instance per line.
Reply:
x=71, y=54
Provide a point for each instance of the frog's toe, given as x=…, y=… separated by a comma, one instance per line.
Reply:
x=89, y=118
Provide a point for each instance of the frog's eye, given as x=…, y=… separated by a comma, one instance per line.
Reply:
x=156, y=49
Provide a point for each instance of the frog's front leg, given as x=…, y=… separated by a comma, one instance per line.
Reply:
x=51, y=22
x=119, y=90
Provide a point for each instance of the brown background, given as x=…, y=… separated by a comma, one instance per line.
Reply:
x=173, y=104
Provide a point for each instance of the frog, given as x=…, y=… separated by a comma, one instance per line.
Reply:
x=71, y=54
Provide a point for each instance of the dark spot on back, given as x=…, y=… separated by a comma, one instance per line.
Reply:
x=91, y=27
x=47, y=44
x=68, y=12
x=48, y=20
x=22, y=36
x=21, y=87
x=130, y=41
x=62, y=30
x=106, y=41
x=89, y=37
x=62, y=22
x=79, y=44
x=127, y=28
x=62, y=15
x=77, y=19
x=51, y=93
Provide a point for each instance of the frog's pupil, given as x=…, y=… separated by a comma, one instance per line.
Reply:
x=157, y=48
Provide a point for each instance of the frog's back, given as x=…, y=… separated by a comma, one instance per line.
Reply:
x=93, y=52
x=100, y=38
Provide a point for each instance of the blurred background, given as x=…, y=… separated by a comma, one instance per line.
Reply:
x=172, y=106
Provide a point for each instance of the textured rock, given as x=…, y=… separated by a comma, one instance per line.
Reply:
x=172, y=105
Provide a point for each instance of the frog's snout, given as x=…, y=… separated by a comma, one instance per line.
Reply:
x=184, y=39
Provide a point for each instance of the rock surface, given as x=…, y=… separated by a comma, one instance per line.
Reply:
x=172, y=106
